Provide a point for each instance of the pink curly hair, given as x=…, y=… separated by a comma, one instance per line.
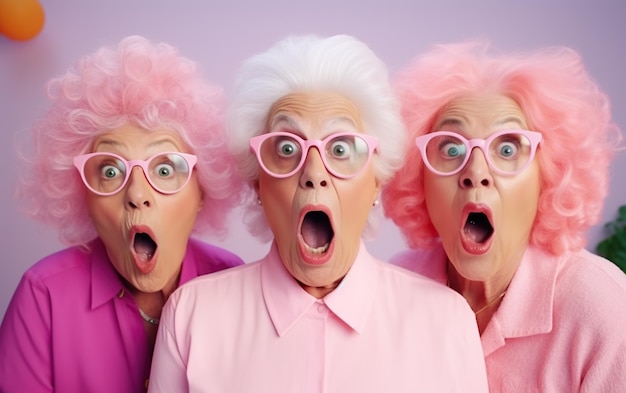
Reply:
x=558, y=98
x=147, y=84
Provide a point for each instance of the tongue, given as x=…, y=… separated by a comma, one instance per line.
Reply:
x=312, y=236
x=315, y=230
x=144, y=247
x=477, y=235
x=477, y=228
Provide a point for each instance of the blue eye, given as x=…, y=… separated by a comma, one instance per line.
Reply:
x=110, y=172
x=114, y=168
x=453, y=150
x=165, y=170
x=287, y=148
x=507, y=150
x=340, y=149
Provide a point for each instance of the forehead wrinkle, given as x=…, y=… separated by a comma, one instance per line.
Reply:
x=449, y=121
x=484, y=111
x=107, y=141
x=318, y=108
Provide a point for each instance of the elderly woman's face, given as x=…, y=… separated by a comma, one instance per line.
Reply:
x=483, y=218
x=144, y=231
x=317, y=218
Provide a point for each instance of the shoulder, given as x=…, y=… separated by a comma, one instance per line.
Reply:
x=428, y=262
x=592, y=287
x=62, y=274
x=73, y=261
x=226, y=283
x=409, y=284
x=416, y=298
x=223, y=294
x=590, y=310
x=211, y=257
x=584, y=271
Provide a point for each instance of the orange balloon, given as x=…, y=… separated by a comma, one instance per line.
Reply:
x=21, y=20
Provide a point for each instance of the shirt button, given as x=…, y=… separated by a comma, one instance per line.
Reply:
x=321, y=308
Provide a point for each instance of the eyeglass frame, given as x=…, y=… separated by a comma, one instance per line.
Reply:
x=306, y=144
x=81, y=160
x=533, y=136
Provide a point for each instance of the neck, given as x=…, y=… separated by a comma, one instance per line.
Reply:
x=320, y=292
x=484, y=297
x=150, y=305
x=149, y=319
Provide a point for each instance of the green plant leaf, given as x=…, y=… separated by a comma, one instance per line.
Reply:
x=613, y=247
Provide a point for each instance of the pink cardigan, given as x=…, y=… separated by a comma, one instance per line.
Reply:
x=560, y=328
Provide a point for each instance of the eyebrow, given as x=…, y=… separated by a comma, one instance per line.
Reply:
x=511, y=119
x=295, y=129
x=291, y=124
x=447, y=122
x=347, y=119
x=282, y=117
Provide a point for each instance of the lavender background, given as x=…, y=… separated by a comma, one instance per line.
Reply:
x=220, y=34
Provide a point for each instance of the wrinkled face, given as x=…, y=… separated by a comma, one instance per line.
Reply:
x=145, y=232
x=317, y=219
x=484, y=219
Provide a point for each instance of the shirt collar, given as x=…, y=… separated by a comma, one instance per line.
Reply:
x=105, y=283
x=189, y=268
x=527, y=307
x=287, y=302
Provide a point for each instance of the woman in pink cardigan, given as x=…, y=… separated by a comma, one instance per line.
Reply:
x=510, y=169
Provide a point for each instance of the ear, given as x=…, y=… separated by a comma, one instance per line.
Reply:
x=377, y=189
x=256, y=187
x=201, y=202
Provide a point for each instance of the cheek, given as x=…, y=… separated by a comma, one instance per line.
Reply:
x=105, y=212
x=184, y=206
x=439, y=193
x=356, y=198
x=521, y=201
x=277, y=198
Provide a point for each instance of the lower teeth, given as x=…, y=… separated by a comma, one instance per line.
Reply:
x=318, y=250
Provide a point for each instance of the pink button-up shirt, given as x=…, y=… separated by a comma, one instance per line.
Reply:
x=71, y=327
x=560, y=328
x=254, y=329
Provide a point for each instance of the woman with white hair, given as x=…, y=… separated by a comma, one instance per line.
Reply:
x=317, y=131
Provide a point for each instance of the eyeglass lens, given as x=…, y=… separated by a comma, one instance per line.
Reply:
x=107, y=173
x=343, y=154
x=507, y=152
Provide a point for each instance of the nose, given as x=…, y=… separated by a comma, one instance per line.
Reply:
x=476, y=172
x=314, y=173
x=139, y=192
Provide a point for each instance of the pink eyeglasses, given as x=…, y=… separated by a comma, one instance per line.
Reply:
x=345, y=155
x=107, y=173
x=507, y=152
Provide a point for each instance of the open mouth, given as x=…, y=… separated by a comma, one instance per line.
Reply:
x=144, y=246
x=477, y=227
x=317, y=232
